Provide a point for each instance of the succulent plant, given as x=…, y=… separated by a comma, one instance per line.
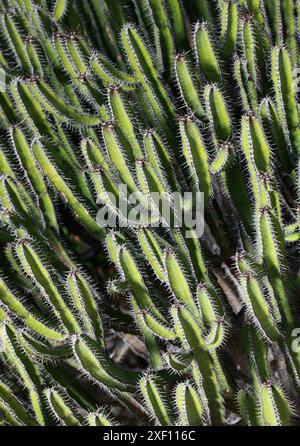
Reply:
x=149, y=324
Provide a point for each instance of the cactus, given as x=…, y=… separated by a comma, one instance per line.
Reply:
x=149, y=323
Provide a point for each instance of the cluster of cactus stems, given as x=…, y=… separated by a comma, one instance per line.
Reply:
x=161, y=96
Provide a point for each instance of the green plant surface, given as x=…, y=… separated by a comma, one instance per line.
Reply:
x=145, y=325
